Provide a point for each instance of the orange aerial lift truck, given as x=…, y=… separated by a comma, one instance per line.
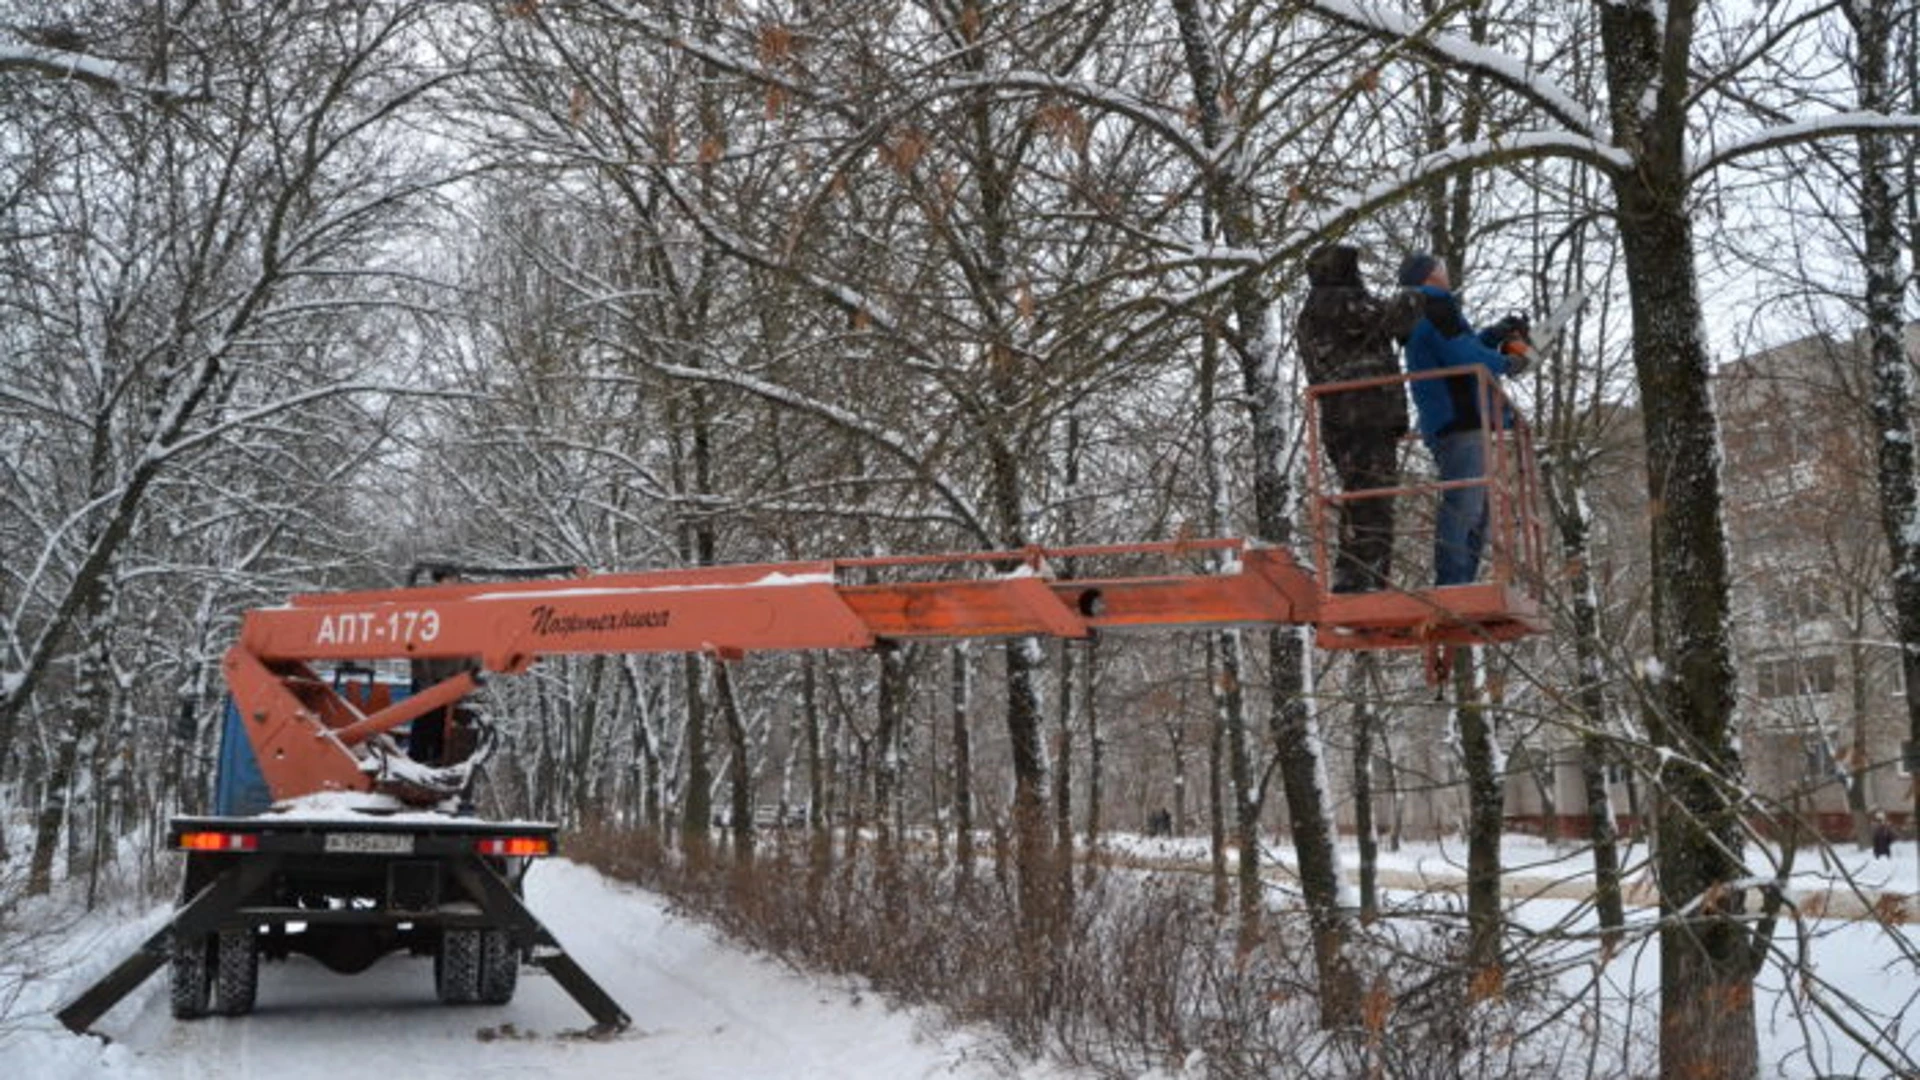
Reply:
x=349, y=887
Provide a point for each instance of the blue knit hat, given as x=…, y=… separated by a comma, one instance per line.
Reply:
x=1417, y=268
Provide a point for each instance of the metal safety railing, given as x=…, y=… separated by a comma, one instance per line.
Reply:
x=1503, y=602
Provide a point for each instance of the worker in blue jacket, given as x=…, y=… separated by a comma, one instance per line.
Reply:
x=1449, y=410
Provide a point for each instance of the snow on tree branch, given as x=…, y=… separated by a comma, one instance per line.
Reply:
x=637, y=17
x=91, y=70
x=1835, y=125
x=1461, y=55
x=887, y=438
x=1348, y=211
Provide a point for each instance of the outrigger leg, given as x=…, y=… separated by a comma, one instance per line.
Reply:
x=222, y=898
x=529, y=935
x=199, y=916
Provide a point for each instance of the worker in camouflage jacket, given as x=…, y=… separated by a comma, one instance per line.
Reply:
x=1346, y=333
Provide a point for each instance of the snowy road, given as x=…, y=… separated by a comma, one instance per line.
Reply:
x=700, y=1008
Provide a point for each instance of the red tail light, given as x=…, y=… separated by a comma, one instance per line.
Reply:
x=218, y=841
x=517, y=846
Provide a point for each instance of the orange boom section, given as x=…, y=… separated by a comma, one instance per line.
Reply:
x=308, y=738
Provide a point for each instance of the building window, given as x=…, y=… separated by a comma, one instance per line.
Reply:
x=1796, y=676
x=1795, y=601
x=1820, y=762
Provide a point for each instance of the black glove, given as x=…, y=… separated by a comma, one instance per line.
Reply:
x=1513, y=326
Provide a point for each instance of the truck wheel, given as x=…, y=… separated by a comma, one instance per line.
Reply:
x=236, y=975
x=189, y=975
x=456, y=970
x=499, y=967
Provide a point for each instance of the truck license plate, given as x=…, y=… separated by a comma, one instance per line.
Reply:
x=370, y=843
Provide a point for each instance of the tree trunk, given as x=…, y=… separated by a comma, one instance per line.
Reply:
x=68, y=797
x=1177, y=751
x=1303, y=776
x=1063, y=786
x=1609, y=905
x=962, y=682
x=1032, y=851
x=1229, y=705
x=83, y=810
x=1396, y=797
x=1708, y=1024
x=1365, y=720
x=1854, y=769
x=891, y=704
x=1230, y=774
x=1226, y=663
x=645, y=749
x=1302, y=772
x=1217, y=796
x=696, y=800
x=1095, y=753
x=1544, y=767
x=1485, y=813
x=53, y=813
x=994, y=178
x=1707, y=956
x=1566, y=479
x=582, y=798
x=819, y=808
x=691, y=462
x=739, y=763
x=541, y=785
x=1892, y=373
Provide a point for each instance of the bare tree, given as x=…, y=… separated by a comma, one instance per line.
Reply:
x=1708, y=952
x=1886, y=288
x=182, y=285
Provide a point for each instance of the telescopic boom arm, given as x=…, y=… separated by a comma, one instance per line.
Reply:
x=309, y=739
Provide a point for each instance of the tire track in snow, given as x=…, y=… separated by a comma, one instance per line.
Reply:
x=702, y=1009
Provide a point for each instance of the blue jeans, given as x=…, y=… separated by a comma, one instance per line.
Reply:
x=1460, y=532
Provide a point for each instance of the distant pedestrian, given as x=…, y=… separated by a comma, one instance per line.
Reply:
x=1160, y=823
x=1882, y=836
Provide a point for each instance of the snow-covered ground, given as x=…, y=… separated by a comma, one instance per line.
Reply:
x=703, y=1008
x=1842, y=879
x=700, y=1008
x=1826, y=975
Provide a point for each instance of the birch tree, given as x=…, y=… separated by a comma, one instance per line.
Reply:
x=1887, y=287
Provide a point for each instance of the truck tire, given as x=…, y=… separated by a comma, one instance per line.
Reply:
x=499, y=967
x=236, y=972
x=456, y=968
x=189, y=975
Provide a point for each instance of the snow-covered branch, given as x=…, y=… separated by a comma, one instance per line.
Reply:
x=1348, y=211
x=1832, y=126
x=91, y=70
x=894, y=442
x=1461, y=55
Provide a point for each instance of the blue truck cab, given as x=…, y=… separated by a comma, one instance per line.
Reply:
x=239, y=789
